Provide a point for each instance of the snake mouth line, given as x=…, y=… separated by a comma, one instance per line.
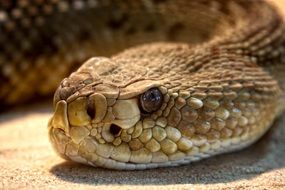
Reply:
x=91, y=152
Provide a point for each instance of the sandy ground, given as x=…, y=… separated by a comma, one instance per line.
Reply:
x=27, y=161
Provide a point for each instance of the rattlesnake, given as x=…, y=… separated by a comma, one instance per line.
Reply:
x=198, y=78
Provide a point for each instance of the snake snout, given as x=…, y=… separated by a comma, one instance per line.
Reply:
x=62, y=93
x=97, y=110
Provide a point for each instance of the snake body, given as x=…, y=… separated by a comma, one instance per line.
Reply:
x=195, y=79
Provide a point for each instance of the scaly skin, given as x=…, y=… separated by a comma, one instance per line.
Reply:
x=222, y=82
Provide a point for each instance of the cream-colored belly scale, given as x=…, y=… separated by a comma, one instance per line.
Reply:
x=172, y=103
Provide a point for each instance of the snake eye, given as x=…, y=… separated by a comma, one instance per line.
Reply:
x=151, y=100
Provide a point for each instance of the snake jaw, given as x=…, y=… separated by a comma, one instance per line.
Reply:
x=73, y=122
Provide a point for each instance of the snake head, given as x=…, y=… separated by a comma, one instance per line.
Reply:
x=123, y=117
x=119, y=123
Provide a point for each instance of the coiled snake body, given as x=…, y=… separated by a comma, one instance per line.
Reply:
x=208, y=78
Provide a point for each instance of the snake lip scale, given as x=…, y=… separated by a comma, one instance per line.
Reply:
x=177, y=81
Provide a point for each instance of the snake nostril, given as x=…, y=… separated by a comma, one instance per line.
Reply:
x=115, y=130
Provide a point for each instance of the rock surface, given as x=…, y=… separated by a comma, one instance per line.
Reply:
x=27, y=161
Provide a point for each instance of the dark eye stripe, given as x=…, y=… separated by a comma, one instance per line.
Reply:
x=151, y=100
